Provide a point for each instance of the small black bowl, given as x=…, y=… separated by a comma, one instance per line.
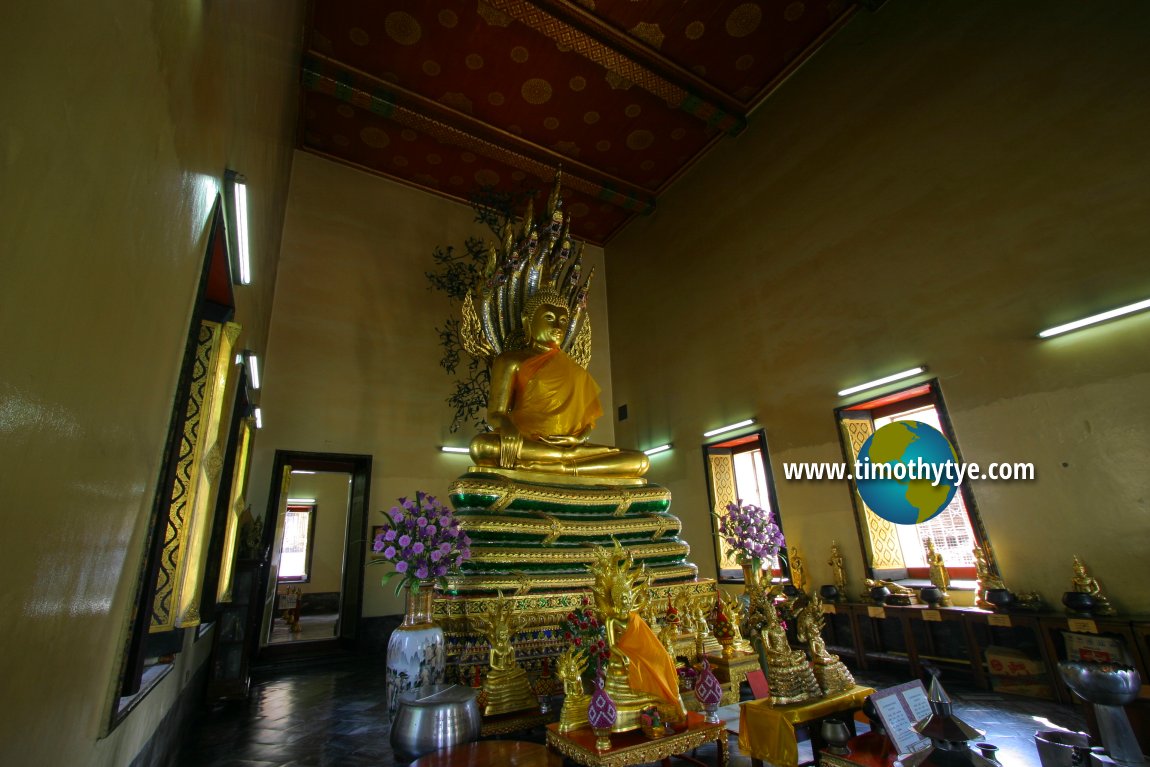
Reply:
x=829, y=592
x=879, y=594
x=1079, y=602
x=871, y=712
x=1002, y=599
x=930, y=595
x=791, y=590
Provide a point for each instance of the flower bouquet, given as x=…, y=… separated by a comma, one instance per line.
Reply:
x=751, y=533
x=423, y=539
x=581, y=629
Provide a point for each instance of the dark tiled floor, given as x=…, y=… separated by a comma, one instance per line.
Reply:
x=331, y=714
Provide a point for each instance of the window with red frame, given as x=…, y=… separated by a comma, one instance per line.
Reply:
x=955, y=531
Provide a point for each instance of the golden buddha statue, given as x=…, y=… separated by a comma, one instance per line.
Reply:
x=700, y=607
x=571, y=665
x=1086, y=583
x=838, y=571
x=983, y=578
x=830, y=672
x=538, y=487
x=506, y=688
x=896, y=589
x=789, y=674
x=639, y=672
x=529, y=318
x=798, y=568
x=938, y=573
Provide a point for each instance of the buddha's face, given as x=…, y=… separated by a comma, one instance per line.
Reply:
x=549, y=325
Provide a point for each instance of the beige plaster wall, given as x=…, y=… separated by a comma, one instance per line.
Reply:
x=118, y=123
x=939, y=183
x=330, y=491
x=353, y=356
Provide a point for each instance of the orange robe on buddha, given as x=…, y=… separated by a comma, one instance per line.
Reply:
x=651, y=669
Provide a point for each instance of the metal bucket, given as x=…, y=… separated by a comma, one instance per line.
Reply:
x=1056, y=748
x=433, y=717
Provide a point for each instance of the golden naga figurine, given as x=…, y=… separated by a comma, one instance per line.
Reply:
x=506, y=687
x=1086, y=583
x=938, y=574
x=789, y=674
x=985, y=580
x=798, y=568
x=838, y=571
x=571, y=665
x=735, y=612
x=529, y=316
x=830, y=672
x=639, y=673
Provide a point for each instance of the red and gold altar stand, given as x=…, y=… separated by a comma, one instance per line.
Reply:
x=632, y=748
x=767, y=733
x=867, y=750
x=485, y=753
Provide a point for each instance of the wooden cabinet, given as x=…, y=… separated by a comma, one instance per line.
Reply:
x=237, y=628
x=906, y=640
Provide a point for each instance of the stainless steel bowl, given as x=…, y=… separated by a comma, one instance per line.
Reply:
x=1056, y=748
x=433, y=717
x=1111, y=684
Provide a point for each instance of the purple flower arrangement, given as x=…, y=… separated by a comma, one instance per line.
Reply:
x=751, y=532
x=423, y=539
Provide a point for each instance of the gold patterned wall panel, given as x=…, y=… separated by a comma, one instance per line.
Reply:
x=723, y=485
x=236, y=506
x=177, y=598
x=881, y=535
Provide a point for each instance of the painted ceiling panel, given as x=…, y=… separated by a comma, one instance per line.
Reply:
x=624, y=95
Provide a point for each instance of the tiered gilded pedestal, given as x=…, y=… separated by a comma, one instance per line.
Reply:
x=533, y=537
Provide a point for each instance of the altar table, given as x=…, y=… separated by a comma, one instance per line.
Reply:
x=632, y=748
x=767, y=732
x=485, y=753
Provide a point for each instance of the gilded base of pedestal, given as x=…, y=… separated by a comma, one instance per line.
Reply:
x=507, y=693
x=509, y=723
x=793, y=682
x=833, y=677
x=574, y=713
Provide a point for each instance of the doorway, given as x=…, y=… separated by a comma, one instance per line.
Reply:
x=315, y=553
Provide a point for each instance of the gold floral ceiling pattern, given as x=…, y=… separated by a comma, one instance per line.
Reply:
x=453, y=96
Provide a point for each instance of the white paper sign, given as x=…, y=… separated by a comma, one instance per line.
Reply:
x=899, y=708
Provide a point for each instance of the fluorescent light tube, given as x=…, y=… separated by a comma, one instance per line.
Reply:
x=1141, y=306
x=259, y=418
x=447, y=449
x=881, y=381
x=253, y=369
x=301, y=471
x=301, y=500
x=240, y=192
x=729, y=427
x=657, y=450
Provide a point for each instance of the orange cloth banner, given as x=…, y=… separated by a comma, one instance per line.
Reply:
x=651, y=669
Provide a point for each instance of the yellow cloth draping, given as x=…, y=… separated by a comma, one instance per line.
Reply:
x=768, y=732
x=651, y=669
x=554, y=396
